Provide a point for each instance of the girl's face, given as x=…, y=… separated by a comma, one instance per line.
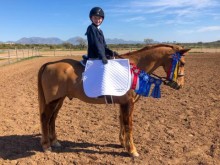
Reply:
x=97, y=20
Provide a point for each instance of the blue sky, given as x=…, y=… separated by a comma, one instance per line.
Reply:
x=160, y=20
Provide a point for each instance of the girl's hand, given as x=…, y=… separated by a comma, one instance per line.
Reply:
x=104, y=60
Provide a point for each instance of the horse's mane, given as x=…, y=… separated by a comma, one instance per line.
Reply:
x=160, y=45
x=149, y=47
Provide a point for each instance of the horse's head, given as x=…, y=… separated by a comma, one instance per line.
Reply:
x=174, y=67
x=171, y=57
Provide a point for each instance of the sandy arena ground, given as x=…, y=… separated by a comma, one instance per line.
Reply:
x=183, y=127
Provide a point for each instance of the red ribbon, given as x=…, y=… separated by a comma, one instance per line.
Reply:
x=135, y=71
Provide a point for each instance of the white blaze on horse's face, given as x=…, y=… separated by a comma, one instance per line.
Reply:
x=179, y=82
x=180, y=76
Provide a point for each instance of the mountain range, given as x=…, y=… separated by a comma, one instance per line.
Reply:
x=73, y=40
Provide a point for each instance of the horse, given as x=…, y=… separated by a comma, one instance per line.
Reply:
x=60, y=79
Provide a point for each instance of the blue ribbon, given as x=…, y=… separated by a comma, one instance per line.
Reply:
x=145, y=83
x=156, y=91
x=148, y=86
x=143, y=79
x=176, y=57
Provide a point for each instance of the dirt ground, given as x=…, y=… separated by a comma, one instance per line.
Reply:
x=183, y=127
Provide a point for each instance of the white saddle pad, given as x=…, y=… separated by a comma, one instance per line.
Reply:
x=113, y=78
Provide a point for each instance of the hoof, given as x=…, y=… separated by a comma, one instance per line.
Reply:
x=49, y=149
x=56, y=144
x=134, y=154
x=123, y=144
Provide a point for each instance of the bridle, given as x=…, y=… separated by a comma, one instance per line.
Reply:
x=169, y=80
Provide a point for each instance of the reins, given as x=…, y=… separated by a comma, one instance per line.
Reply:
x=166, y=80
x=173, y=73
x=163, y=79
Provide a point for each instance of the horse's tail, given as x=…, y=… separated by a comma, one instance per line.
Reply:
x=41, y=97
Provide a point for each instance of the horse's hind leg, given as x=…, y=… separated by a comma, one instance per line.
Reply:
x=46, y=114
x=126, y=135
x=52, y=132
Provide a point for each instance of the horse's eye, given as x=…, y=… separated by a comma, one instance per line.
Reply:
x=182, y=64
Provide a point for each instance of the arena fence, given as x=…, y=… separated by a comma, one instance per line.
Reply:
x=9, y=56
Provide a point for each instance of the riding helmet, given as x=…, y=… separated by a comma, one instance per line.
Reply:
x=97, y=11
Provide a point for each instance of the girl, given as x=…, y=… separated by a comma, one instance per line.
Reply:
x=97, y=47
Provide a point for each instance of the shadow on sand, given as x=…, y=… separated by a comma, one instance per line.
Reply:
x=20, y=146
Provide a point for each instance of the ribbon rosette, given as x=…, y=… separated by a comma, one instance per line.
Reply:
x=142, y=82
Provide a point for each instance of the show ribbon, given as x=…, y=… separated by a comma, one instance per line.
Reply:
x=156, y=91
x=146, y=79
x=134, y=72
x=175, y=60
x=142, y=82
x=148, y=86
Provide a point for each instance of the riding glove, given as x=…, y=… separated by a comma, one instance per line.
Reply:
x=115, y=53
x=104, y=60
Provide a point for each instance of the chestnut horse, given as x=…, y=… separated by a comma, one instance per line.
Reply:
x=61, y=79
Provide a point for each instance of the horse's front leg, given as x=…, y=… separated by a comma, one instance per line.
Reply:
x=122, y=130
x=126, y=135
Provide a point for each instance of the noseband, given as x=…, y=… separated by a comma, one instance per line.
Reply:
x=173, y=73
x=169, y=80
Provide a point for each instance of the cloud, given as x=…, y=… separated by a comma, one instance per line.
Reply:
x=200, y=30
x=186, y=31
x=177, y=8
x=185, y=16
x=140, y=18
x=176, y=3
x=209, y=29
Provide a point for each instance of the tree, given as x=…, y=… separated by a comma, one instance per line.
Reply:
x=82, y=42
x=67, y=45
x=148, y=41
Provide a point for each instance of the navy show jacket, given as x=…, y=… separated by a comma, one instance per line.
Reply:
x=97, y=47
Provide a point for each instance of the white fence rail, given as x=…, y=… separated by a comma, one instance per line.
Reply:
x=8, y=56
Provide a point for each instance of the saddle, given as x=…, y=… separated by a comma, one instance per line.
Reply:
x=85, y=58
x=112, y=79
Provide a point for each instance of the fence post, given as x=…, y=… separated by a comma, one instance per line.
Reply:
x=8, y=56
x=23, y=52
x=54, y=52
x=16, y=51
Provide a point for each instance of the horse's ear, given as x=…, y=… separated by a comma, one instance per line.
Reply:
x=182, y=51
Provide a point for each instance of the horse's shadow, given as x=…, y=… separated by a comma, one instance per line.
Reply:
x=19, y=146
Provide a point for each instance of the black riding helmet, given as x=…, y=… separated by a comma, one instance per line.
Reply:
x=96, y=11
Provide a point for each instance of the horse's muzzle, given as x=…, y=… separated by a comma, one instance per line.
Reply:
x=173, y=85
